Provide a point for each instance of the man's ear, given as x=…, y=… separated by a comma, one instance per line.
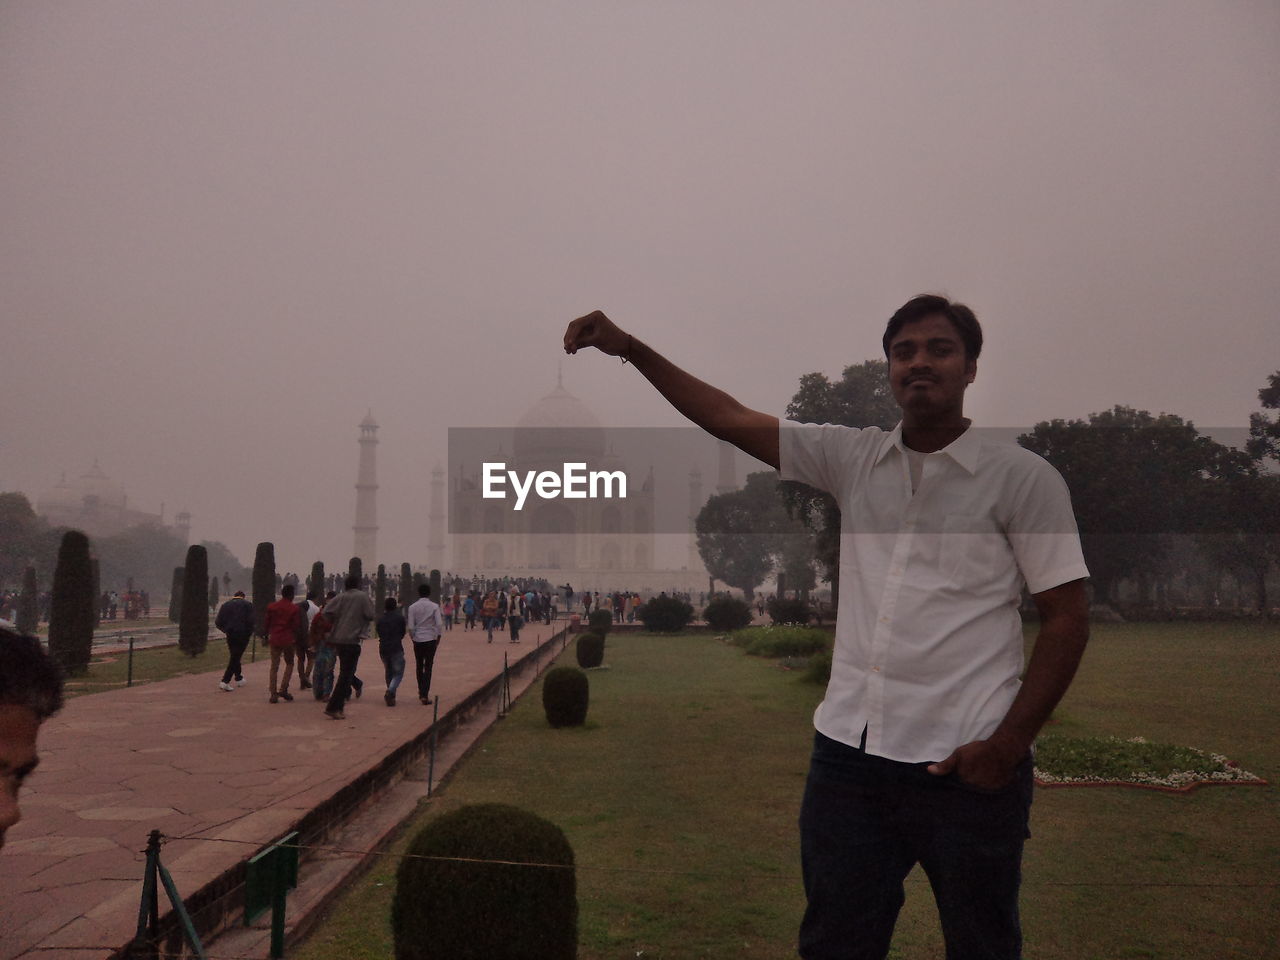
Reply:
x=971, y=370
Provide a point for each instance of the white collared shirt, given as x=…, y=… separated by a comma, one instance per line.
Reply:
x=928, y=648
x=424, y=622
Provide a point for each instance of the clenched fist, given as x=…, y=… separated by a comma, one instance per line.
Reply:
x=596, y=330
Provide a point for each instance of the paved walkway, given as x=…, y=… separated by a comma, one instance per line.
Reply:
x=183, y=757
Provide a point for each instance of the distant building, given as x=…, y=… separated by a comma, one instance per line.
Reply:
x=96, y=504
x=602, y=544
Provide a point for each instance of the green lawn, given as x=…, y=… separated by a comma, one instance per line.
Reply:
x=110, y=671
x=680, y=798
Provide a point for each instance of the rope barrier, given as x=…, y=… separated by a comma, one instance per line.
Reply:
x=653, y=871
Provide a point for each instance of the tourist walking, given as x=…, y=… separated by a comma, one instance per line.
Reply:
x=391, y=629
x=235, y=619
x=322, y=655
x=489, y=613
x=515, y=618
x=351, y=613
x=281, y=628
x=424, y=624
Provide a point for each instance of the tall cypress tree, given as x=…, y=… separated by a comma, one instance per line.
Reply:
x=74, y=610
x=264, y=585
x=316, y=583
x=435, y=586
x=213, y=593
x=406, y=584
x=175, y=595
x=193, y=624
x=28, y=615
x=380, y=588
x=356, y=569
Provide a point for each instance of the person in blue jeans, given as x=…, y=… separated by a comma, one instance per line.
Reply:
x=391, y=630
x=922, y=750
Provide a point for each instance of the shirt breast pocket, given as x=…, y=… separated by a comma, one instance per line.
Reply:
x=968, y=552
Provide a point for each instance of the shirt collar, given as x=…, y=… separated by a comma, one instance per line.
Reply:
x=964, y=449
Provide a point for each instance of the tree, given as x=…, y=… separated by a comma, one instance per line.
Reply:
x=193, y=622
x=356, y=569
x=742, y=533
x=25, y=539
x=1264, y=431
x=1245, y=505
x=380, y=588
x=175, y=595
x=861, y=398
x=213, y=593
x=406, y=584
x=264, y=585
x=28, y=614
x=315, y=583
x=74, y=608
x=1135, y=479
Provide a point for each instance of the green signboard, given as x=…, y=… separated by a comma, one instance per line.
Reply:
x=270, y=874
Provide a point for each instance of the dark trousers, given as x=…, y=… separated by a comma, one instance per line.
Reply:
x=235, y=648
x=866, y=821
x=348, y=657
x=424, y=655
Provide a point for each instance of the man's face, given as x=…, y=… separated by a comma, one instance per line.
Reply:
x=18, y=728
x=928, y=370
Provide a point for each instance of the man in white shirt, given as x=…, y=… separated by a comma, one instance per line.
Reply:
x=425, y=626
x=922, y=749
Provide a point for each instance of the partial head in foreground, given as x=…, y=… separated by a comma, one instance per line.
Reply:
x=30, y=692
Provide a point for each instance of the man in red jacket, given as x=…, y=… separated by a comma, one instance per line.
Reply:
x=281, y=628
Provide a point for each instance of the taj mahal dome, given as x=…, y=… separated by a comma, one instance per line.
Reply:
x=593, y=544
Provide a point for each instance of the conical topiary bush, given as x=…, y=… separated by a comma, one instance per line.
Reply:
x=590, y=650
x=565, y=694
x=458, y=909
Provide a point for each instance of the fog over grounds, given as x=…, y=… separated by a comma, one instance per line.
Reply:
x=232, y=229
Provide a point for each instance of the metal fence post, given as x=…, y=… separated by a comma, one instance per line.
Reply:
x=129, y=681
x=435, y=735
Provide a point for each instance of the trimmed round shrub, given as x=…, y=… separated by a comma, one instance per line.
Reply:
x=565, y=693
x=665, y=614
x=600, y=621
x=486, y=911
x=782, y=610
x=727, y=613
x=590, y=650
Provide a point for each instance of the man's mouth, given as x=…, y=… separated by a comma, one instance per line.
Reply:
x=915, y=380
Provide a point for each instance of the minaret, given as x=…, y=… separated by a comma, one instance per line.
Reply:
x=695, y=507
x=366, y=525
x=435, y=521
x=728, y=481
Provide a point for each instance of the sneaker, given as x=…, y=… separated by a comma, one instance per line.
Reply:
x=425, y=701
x=274, y=699
x=227, y=687
x=359, y=691
x=305, y=685
x=335, y=715
x=390, y=698
x=286, y=696
x=239, y=681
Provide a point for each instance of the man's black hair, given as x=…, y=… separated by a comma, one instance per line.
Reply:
x=389, y=604
x=930, y=305
x=287, y=591
x=424, y=589
x=29, y=677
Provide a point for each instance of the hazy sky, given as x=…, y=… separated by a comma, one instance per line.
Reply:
x=228, y=229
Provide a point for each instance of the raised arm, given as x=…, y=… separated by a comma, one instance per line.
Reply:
x=712, y=409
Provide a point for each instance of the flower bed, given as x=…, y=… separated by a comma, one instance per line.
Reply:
x=1136, y=762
